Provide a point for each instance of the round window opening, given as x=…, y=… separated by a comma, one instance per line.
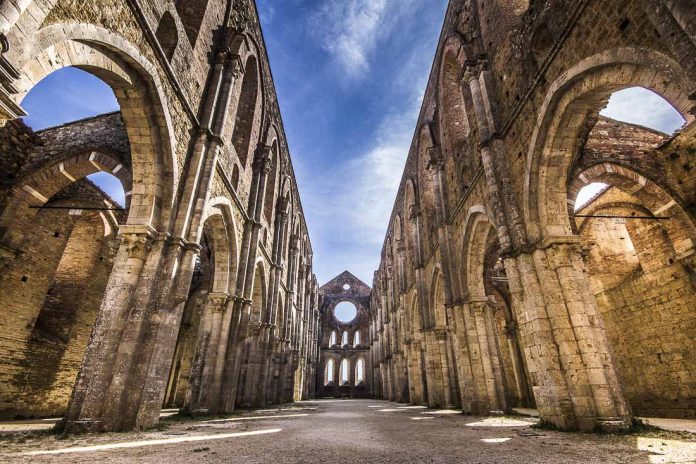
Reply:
x=345, y=311
x=346, y=287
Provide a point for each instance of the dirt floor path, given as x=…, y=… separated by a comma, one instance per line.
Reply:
x=348, y=431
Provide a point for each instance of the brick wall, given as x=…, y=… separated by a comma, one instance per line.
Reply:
x=646, y=300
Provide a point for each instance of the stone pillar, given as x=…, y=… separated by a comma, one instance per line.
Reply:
x=563, y=338
x=471, y=77
x=203, y=396
x=492, y=376
x=122, y=381
x=523, y=393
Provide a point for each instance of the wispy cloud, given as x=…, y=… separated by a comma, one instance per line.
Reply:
x=266, y=12
x=350, y=30
x=349, y=158
x=361, y=191
x=637, y=105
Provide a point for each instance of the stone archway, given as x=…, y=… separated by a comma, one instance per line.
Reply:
x=586, y=392
x=641, y=276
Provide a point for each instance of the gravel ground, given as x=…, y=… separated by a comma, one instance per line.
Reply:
x=350, y=431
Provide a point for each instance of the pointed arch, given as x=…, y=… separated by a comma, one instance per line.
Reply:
x=258, y=299
x=192, y=14
x=329, y=372
x=345, y=372
x=248, y=113
x=579, y=94
x=167, y=35
x=332, y=338
x=272, y=181
x=426, y=189
x=359, y=371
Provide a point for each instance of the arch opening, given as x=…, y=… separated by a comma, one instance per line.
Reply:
x=332, y=339
x=62, y=234
x=247, y=113
x=345, y=372
x=345, y=312
x=329, y=373
x=360, y=372
x=625, y=245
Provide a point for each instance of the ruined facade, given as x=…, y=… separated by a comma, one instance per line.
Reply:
x=200, y=293
x=493, y=292
x=344, y=339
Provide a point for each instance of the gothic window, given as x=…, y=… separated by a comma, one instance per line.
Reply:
x=360, y=371
x=332, y=338
x=329, y=377
x=345, y=372
x=356, y=338
x=344, y=338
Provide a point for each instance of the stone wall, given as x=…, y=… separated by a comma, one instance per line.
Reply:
x=646, y=302
x=508, y=134
x=52, y=291
x=200, y=149
x=344, y=288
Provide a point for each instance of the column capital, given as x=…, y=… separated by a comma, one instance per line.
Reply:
x=218, y=299
x=436, y=162
x=236, y=66
x=262, y=159
x=478, y=307
x=138, y=243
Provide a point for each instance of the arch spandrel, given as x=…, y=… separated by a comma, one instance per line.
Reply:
x=136, y=85
x=569, y=101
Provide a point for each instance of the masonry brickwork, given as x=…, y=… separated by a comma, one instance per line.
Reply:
x=491, y=293
x=344, y=345
x=200, y=294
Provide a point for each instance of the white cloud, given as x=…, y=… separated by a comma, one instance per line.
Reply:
x=587, y=193
x=354, y=201
x=350, y=30
x=350, y=204
x=266, y=12
x=637, y=105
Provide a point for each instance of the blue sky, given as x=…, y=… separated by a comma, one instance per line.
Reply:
x=350, y=75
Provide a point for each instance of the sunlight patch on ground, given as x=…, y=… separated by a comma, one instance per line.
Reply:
x=500, y=422
x=673, y=425
x=667, y=450
x=495, y=440
x=390, y=410
x=423, y=418
x=271, y=411
x=443, y=411
x=413, y=407
x=237, y=419
x=142, y=443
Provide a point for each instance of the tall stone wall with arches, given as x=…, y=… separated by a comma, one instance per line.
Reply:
x=486, y=296
x=207, y=300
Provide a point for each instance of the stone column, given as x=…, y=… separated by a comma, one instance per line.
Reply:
x=492, y=378
x=202, y=397
x=523, y=393
x=563, y=338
